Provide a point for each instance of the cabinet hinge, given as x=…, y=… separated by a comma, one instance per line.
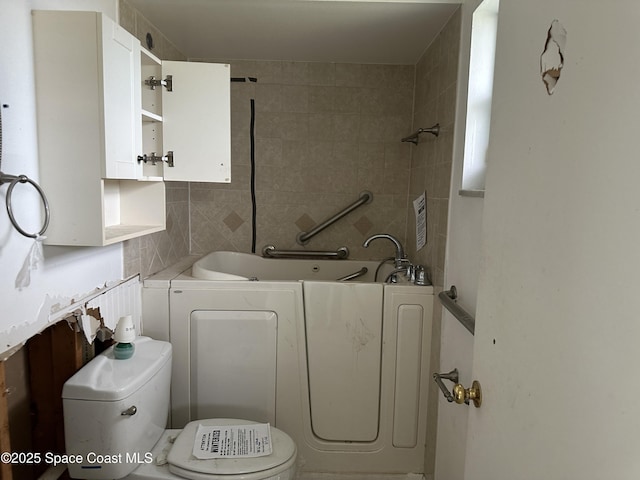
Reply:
x=153, y=158
x=153, y=82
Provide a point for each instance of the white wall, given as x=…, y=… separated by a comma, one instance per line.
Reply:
x=66, y=272
x=461, y=269
x=557, y=332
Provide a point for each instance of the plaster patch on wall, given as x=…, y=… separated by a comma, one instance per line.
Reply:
x=552, y=58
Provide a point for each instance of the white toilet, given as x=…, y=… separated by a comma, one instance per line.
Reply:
x=115, y=413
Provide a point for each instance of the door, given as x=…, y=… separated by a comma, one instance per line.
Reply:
x=197, y=121
x=120, y=80
x=557, y=337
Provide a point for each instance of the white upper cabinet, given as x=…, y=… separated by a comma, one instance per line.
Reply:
x=87, y=91
x=186, y=120
x=106, y=139
x=202, y=149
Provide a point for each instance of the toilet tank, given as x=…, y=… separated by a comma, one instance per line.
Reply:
x=116, y=410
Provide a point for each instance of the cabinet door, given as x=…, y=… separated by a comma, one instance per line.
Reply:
x=120, y=77
x=196, y=121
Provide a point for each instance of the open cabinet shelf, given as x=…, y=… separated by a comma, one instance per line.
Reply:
x=109, y=137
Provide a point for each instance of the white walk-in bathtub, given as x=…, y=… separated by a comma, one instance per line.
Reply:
x=341, y=366
x=243, y=266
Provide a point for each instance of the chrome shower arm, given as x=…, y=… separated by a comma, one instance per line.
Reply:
x=413, y=138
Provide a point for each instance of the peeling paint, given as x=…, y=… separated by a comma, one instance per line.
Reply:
x=552, y=58
x=106, y=304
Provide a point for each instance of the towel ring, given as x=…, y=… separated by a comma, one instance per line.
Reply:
x=24, y=179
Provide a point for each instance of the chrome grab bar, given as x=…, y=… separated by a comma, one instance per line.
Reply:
x=351, y=276
x=304, y=237
x=448, y=300
x=272, y=252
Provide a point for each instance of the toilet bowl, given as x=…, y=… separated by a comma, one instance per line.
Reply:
x=276, y=467
x=172, y=459
x=115, y=414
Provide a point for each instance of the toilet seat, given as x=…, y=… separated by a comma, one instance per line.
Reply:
x=184, y=464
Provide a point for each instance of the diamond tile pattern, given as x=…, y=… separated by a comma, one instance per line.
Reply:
x=233, y=221
x=363, y=225
x=305, y=223
x=324, y=133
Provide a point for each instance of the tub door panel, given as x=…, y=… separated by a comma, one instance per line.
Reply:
x=344, y=343
x=408, y=330
x=408, y=374
x=233, y=364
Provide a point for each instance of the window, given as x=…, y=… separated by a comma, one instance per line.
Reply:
x=483, y=45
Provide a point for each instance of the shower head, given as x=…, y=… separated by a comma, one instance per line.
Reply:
x=411, y=138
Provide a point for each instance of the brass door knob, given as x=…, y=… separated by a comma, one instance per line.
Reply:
x=464, y=395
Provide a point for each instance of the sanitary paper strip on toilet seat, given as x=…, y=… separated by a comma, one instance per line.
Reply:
x=232, y=441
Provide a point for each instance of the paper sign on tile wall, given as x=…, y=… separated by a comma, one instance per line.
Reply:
x=420, y=208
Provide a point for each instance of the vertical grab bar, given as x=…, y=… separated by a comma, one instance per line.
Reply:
x=304, y=237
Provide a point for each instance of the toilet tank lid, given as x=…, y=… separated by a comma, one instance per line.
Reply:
x=109, y=379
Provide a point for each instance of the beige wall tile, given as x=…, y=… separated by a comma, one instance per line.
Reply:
x=435, y=90
x=324, y=133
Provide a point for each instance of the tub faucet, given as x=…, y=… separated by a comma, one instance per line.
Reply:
x=400, y=260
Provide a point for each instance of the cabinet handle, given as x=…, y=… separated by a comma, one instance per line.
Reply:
x=153, y=82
